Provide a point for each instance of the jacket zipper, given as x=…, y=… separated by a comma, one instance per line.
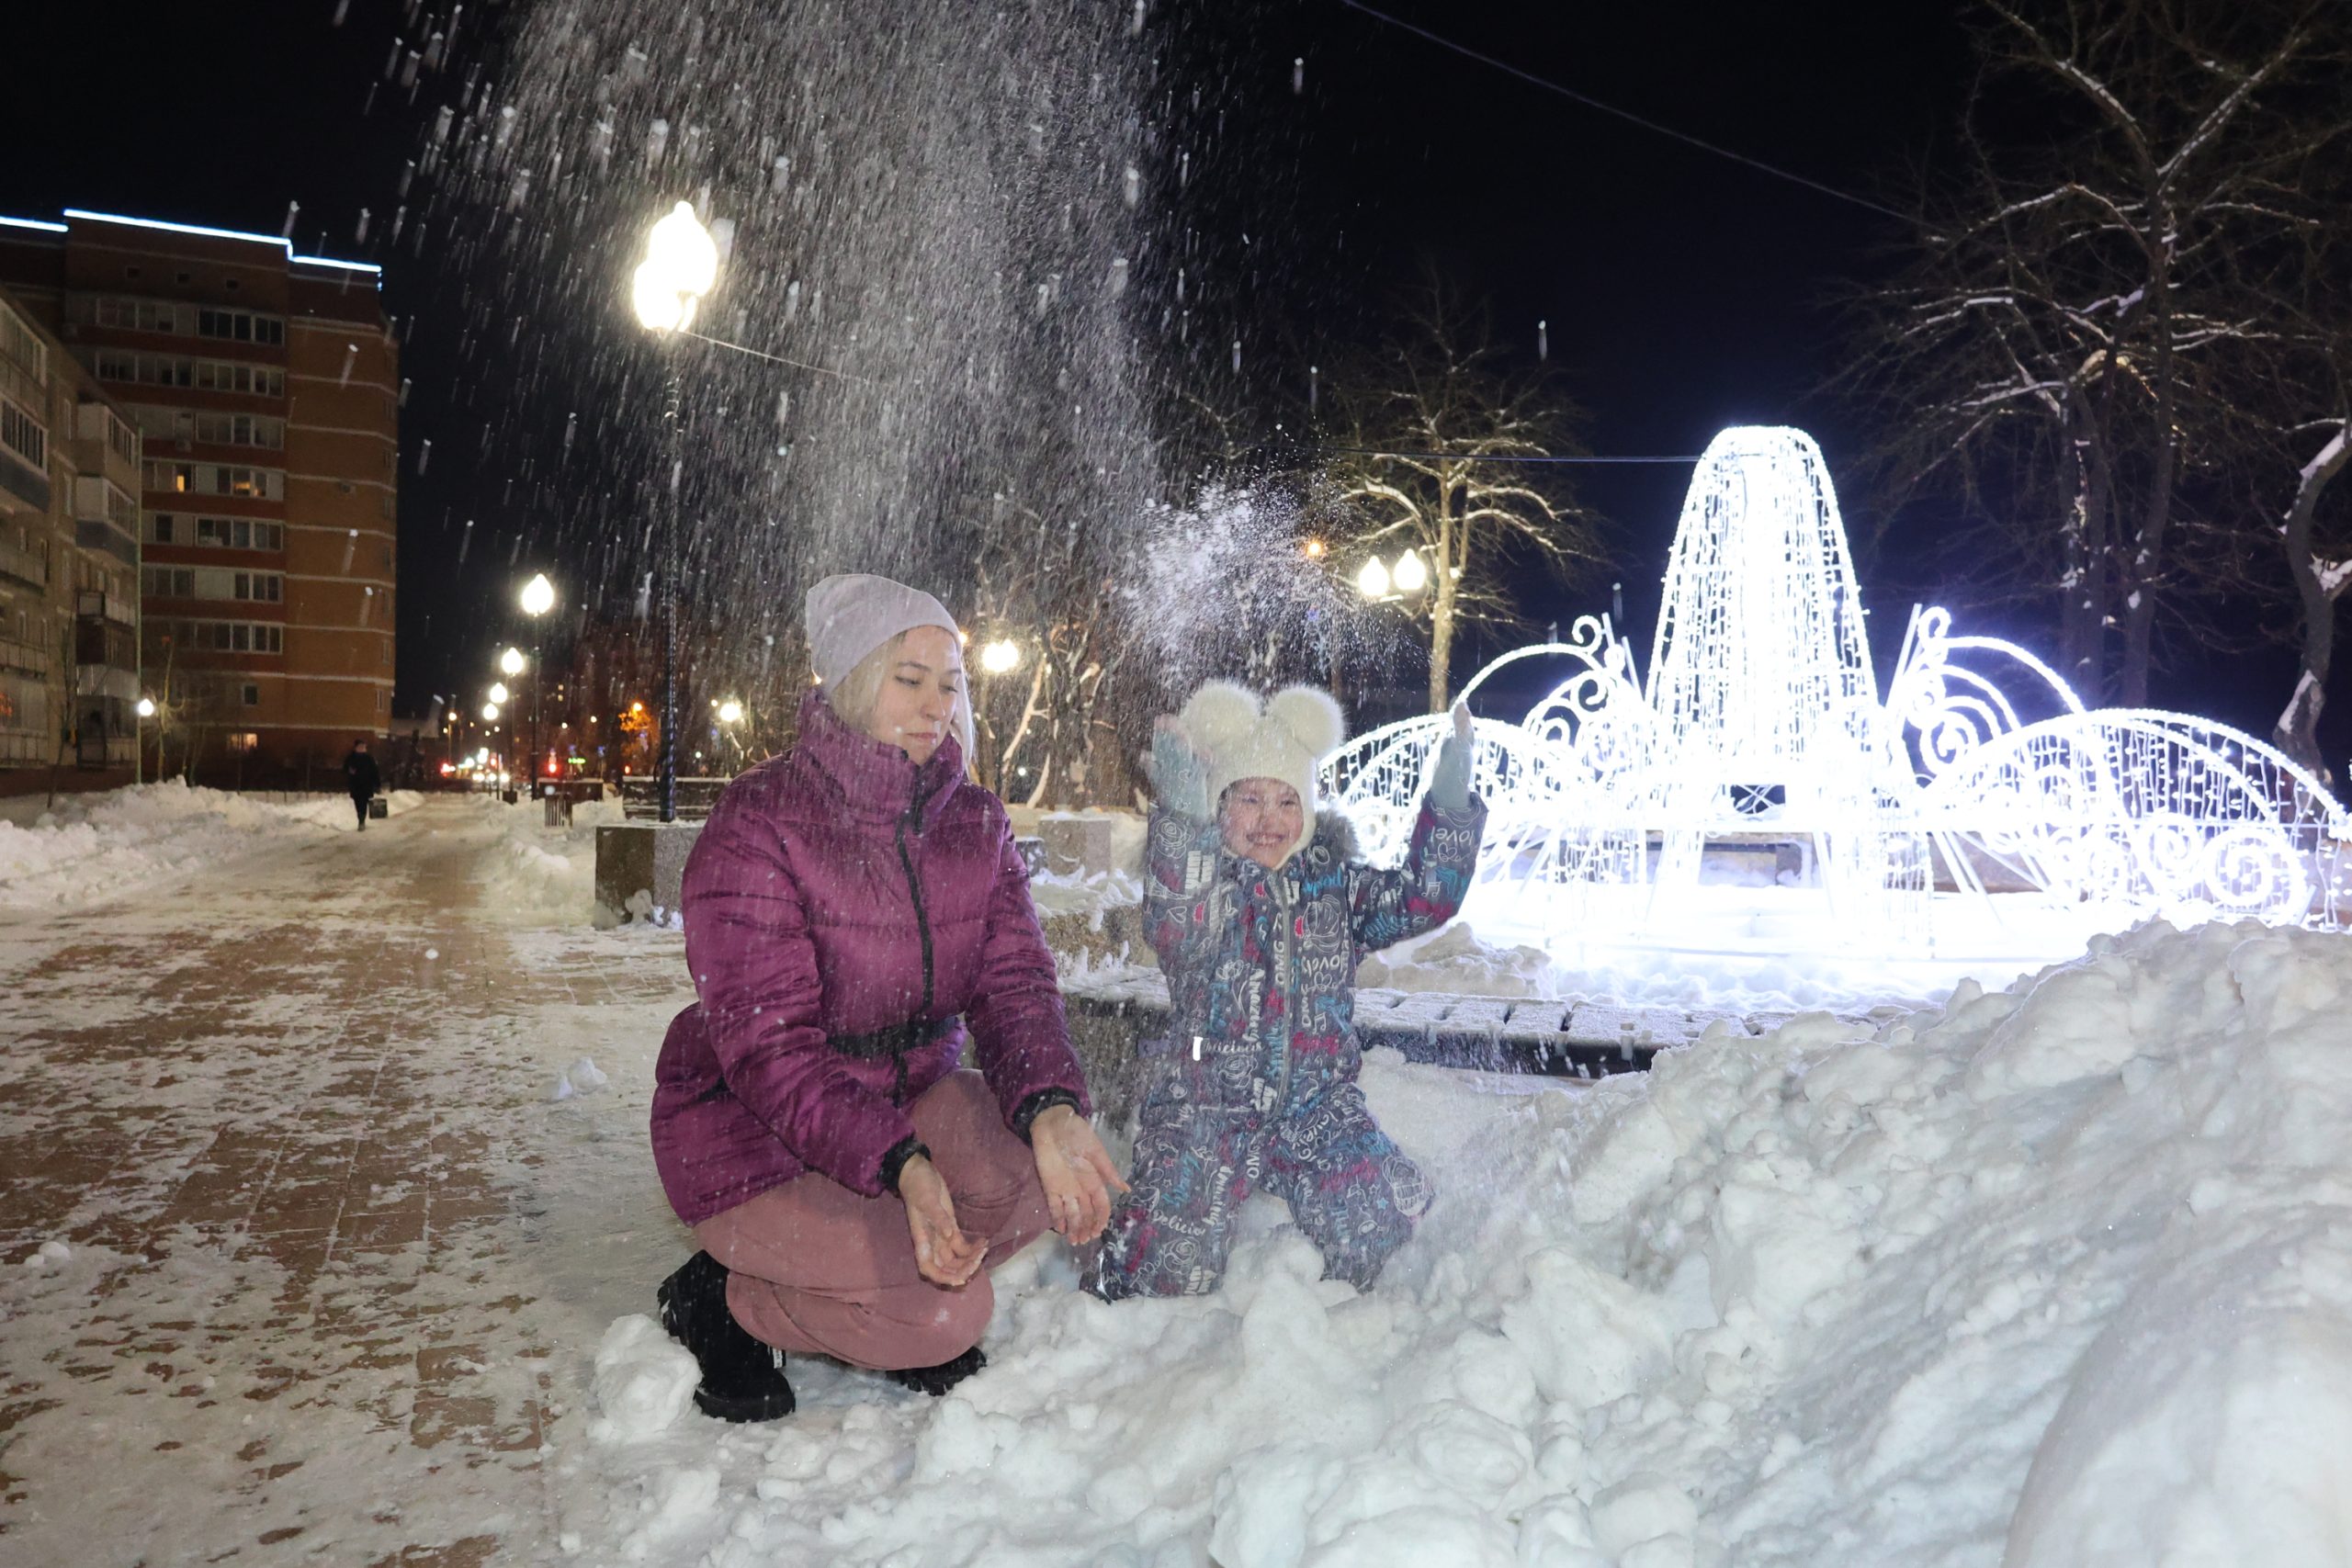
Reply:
x=922, y=931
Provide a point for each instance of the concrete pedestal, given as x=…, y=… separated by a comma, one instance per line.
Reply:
x=640, y=866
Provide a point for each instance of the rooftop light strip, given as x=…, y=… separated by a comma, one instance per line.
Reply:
x=330, y=261
x=277, y=240
x=32, y=223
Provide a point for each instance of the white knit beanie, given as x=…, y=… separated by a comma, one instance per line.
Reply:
x=851, y=614
x=1283, y=739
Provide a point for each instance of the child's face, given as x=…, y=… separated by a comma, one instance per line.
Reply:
x=1261, y=820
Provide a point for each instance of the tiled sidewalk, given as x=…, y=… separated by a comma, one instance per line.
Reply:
x=290, y=1119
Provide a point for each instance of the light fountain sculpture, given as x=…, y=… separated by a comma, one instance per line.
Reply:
x=1954, y=817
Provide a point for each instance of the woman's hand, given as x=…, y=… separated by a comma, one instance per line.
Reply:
x=1076, y=1173
x=944, y=1255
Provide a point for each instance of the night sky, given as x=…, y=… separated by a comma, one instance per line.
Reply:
x=1683, y=291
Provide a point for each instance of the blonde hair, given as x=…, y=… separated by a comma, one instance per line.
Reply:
x=854, y=697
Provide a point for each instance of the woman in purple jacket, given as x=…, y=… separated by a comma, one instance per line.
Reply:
x=850, y=907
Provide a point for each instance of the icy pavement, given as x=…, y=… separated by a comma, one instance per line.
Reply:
x=2054, y=1275
x=327, y=1259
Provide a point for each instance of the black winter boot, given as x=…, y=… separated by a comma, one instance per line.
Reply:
x=936, y=1381
x=742, y=1380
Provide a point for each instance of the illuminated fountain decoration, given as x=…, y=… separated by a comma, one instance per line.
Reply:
x=1978, y=810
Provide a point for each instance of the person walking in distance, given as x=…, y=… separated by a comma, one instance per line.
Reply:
x=361, y=779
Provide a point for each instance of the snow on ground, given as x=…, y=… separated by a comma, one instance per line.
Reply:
x=542, y=875
x=2052, y=1275
x=90, y=847
x=2056, y=1275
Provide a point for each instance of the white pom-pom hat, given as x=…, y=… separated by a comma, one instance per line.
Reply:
x=1239, y=737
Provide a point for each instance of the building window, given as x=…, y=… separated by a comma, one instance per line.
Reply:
x=240, y=326
x=244, y=743
x=252, y=695
x=222, y=637
x=20, y=343
x=141, y=315
x=239, y=534
x=262, y=587
x=167, y=581
x=23, y=435
x=215, y=478
x=159, y=528
x=180, y=370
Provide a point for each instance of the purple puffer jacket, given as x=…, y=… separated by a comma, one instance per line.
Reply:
x=802, y=929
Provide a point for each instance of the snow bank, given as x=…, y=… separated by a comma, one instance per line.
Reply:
x=2054, y=1275
x=90, y=847
x=540, y=876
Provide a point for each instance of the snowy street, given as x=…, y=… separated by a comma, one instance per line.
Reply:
x=332, y=1252
x=321, y=1247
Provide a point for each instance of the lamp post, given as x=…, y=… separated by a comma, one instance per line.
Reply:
x=537, y=598
x=681, y=266
x=146, y=710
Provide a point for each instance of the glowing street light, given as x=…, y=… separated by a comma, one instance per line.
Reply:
x=538, y=596
x=681, y=266
x=1410, y=575
x=146, y=707
x=1000, y=657
x=490, y=713
x=1373, y=580
x=511, y=661
x=730, y=712
x=498, y=693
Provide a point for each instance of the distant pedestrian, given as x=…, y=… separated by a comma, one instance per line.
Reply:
x=361, y=779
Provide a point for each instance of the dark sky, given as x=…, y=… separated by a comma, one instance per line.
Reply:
x=1683, y=291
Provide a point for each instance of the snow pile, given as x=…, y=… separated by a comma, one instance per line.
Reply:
x=2055, y=1276
x=644, y=1380
x=1455, y=959
x=536, y=874
x=92, y=846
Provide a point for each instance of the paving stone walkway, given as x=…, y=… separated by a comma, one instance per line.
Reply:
x=333, y=1263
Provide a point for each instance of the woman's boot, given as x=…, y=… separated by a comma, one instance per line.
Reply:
x=936, y=1381
x=742, y=1380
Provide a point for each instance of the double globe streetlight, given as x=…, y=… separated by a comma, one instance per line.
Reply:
x=1379, y=582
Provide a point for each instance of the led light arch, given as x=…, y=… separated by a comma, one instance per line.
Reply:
x=1978, y=795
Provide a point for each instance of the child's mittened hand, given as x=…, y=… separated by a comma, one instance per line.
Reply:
x=1179, y=777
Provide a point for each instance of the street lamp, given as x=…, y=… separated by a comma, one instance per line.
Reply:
x=145, y=710
x=1000, y=657
x=730, y=712
x=1373, y=580
x=1411, y=576
x=681, y=266
x=490, y=713
x=498, y=693
x=511, y=663
x=537, y=598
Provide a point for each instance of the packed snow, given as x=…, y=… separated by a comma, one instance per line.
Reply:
x=87, y=848
x=2057, y=1274
x=2049, y=1276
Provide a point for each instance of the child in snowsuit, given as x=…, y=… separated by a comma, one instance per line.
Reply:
x=1260, y=911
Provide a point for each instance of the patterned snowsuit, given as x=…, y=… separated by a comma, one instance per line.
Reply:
x=1255, y=1085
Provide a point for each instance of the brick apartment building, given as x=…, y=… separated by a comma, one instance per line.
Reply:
x=265, y=387
x=68, y=568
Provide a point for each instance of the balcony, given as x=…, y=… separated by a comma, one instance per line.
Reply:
x=106, y=537
x=24, y=658
x=107, y=607
x=22, y=565
x=29, y=487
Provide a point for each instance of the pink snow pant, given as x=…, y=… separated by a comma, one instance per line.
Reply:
x=820, y=1269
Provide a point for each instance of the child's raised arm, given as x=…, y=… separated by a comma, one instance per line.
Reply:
x=1387, y=907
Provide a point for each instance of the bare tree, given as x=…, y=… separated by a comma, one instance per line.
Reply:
x=1412, y=435
x=2054, y=351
